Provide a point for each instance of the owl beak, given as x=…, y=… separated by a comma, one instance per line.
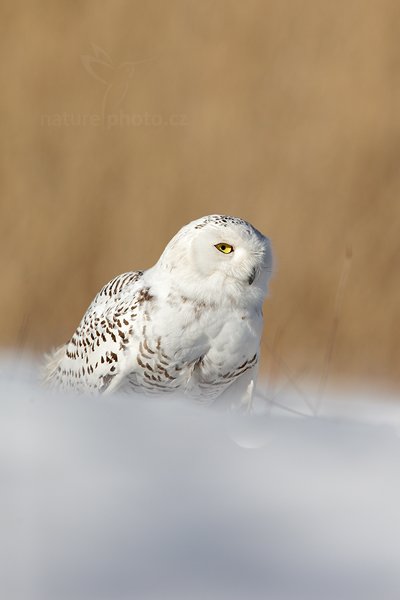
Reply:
x=252, y=276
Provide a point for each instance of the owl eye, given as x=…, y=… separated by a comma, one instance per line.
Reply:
x=225, y=248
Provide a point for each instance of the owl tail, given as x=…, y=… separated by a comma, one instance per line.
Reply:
x=49, y=367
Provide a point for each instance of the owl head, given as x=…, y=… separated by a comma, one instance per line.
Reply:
x=219, y=257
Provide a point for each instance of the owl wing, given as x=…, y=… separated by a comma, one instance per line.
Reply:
x=95, y=358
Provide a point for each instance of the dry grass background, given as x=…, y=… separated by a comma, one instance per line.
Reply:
x=283, y=113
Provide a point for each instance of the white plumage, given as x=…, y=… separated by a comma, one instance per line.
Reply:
x=191, y=324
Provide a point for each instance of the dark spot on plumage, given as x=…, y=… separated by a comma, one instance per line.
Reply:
x=102, y=359
x=159, y=386
x=241, y=371
x=146, y=346
x=165, y=373
x=243, y=365
x=199, y=362
x=106, y=382
x=112, y=369
x=144, y=296
x=170, y=377
x=126, y=322
x=142, y=352
x=114, y=339
x=114, y=356
x=199, y=308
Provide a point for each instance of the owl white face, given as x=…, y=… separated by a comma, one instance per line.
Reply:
x=235, y=251
x=218, y=253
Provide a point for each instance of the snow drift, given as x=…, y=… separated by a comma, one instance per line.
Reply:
x=117, y=498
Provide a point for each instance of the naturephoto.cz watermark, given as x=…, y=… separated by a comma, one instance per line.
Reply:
x=113, y=120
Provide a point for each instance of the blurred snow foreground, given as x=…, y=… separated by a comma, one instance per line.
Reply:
x=125, y=498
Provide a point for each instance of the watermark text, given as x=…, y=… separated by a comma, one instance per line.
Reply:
x=114, y=120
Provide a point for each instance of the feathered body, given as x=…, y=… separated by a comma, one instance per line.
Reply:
x=191, y=324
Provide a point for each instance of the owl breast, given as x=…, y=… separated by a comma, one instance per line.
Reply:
x=199, y=352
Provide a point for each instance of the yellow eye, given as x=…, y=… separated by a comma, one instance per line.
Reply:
x=225, y=248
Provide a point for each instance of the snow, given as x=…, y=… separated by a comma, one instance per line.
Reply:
x=122, y=498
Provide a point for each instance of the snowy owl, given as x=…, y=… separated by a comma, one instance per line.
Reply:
x=191, y=324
